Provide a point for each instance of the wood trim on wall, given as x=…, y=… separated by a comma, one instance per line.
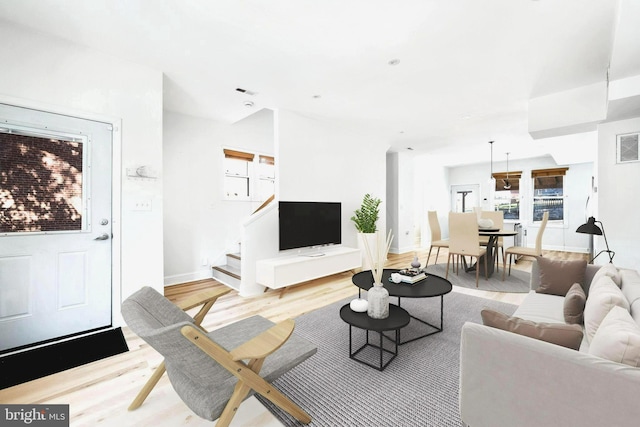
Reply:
x=513, y=177
x=538, y=173
x=268, y=160
x=239, y=155
x=503, y=175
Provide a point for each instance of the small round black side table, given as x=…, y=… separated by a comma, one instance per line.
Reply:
x=432, y=286
x=398, y=318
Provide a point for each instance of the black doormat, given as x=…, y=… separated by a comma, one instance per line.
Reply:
x=50, y=359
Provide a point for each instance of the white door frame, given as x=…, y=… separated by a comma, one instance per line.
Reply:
x=116, y=186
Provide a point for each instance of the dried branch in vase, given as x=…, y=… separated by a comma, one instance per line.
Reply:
x=377, y=259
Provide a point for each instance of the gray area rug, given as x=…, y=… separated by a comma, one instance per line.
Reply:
x=517, y=282
x=418, y=388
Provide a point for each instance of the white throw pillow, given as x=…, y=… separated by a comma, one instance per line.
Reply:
x=630, y=285
x=603, y=296
x=608, y=270
x=617, y=338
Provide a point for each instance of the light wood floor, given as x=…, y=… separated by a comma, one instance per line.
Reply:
x=100, y=392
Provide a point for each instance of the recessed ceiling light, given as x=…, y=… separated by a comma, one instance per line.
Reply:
x=317, y=96
x=248, y=104
x=394, y=62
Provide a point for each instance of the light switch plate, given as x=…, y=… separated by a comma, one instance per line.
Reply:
x=142, y=205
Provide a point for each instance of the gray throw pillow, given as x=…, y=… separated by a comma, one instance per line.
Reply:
x=574, y=303
x=569, y=336
x=556, y=276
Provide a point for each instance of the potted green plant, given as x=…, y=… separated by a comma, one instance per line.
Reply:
x=366, y=217
x=365, y=220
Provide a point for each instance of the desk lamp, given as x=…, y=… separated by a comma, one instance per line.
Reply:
x=591, y=228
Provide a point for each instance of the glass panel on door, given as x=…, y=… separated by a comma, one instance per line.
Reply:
x=464, y=197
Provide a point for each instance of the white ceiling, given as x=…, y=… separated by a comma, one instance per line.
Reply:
x=467, y=67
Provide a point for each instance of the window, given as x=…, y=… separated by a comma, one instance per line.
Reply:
x=507, y=200
x=248, y=176
x=548, y=193
x=266, y=177
x=237, y=168
x=41, y=182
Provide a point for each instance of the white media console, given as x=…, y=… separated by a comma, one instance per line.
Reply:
x=288, y=270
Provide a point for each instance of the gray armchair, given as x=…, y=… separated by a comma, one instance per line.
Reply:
x=214, y=372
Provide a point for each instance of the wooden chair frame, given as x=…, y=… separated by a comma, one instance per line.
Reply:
x=206, y=299
x=255, y=351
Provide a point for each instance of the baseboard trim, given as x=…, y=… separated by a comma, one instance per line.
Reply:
x=187, y=277
x=403, y=250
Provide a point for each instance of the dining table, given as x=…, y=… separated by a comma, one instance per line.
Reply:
x=492, y=248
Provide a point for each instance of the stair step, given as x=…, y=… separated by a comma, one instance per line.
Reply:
x=227, y=274
x=234, y=261
x=228, y=270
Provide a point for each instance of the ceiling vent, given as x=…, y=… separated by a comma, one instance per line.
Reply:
x=246, y=92
x=627, y=148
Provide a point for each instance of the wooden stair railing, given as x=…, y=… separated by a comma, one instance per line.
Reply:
x=265, y=203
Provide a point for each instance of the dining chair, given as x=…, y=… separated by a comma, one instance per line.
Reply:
x=497, y=217
x=436, y=236
x=214, y=372
x=465, y=241
x=524, y=251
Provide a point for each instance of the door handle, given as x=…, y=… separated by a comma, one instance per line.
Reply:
x=103, y=236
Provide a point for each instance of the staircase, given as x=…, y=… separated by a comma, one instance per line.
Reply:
x=229, y=274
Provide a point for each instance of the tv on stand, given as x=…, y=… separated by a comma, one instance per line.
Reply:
x=309, y=225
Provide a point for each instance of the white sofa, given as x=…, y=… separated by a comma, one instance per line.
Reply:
x=508, y=379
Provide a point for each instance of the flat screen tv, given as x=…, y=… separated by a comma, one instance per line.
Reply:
x=307, y=224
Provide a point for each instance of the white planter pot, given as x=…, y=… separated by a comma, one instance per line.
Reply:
x=373, y=247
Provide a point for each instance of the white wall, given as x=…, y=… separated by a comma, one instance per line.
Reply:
x=316, y=160
x=63, y=77
x=199, y=226
x=432, y=187
x=322, y=160
x=618, y=197
x=392, y=198
x=402, y=200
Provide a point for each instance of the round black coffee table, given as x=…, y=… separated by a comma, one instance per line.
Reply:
x=432, y=286
x=398, y=318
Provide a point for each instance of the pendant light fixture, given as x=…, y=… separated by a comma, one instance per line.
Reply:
x=507, y=184
x=491, y=176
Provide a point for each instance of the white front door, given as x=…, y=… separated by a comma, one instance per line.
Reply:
x=55, y=226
